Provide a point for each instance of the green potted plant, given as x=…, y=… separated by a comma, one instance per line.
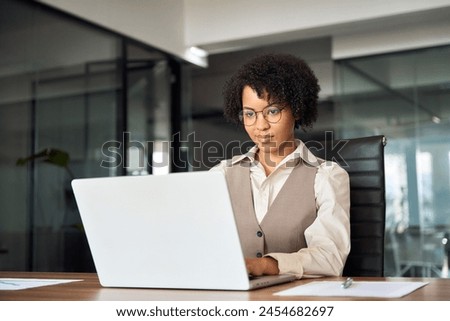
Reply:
x=77, y=256
x=52, y=156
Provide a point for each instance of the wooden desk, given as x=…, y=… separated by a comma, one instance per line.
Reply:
x=89, y=289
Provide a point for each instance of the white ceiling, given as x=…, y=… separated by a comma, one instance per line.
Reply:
x=222, y=26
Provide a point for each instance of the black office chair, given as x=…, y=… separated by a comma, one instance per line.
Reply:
x=363, y=159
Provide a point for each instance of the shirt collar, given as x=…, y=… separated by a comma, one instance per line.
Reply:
x=301, y=152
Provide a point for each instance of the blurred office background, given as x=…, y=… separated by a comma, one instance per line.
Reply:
x=134, y=88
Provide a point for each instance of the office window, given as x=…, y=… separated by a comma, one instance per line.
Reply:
x=59, y=85
x=69, y=89
x=397, y=208
x=405, y=96
x=148, y=77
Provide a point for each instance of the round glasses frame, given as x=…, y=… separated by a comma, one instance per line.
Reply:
x=267, y=113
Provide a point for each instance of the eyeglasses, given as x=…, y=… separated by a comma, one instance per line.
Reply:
x=271, y=114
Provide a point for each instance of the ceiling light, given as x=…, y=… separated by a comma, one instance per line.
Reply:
x=435, y=119
x=198, y=52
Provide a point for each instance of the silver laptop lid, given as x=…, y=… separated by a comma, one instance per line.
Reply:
x=162, y=231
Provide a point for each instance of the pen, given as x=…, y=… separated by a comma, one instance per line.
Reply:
x=347, y=283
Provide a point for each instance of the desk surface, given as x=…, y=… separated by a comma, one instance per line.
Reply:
x=89, y=289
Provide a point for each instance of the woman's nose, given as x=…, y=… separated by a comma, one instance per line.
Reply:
x=261, y=122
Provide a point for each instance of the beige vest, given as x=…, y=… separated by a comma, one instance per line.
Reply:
x=283, y=227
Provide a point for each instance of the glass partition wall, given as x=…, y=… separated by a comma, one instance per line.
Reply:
x=406, y=97
x=75, y=101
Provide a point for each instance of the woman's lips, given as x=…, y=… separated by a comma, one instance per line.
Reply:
x=264, y=138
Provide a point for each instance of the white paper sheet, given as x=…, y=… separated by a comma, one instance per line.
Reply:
x=21, y=284
x=376, y=289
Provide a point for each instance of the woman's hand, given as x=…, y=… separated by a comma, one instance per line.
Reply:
x=262, y=266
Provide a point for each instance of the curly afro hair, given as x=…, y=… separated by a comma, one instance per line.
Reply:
x=286, y=79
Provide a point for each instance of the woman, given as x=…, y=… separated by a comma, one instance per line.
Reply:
x=291, y=208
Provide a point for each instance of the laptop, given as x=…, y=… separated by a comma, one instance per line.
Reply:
x=172, y=231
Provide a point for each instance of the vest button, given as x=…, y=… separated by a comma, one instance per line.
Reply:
x=259, y=254
x=259, y=234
